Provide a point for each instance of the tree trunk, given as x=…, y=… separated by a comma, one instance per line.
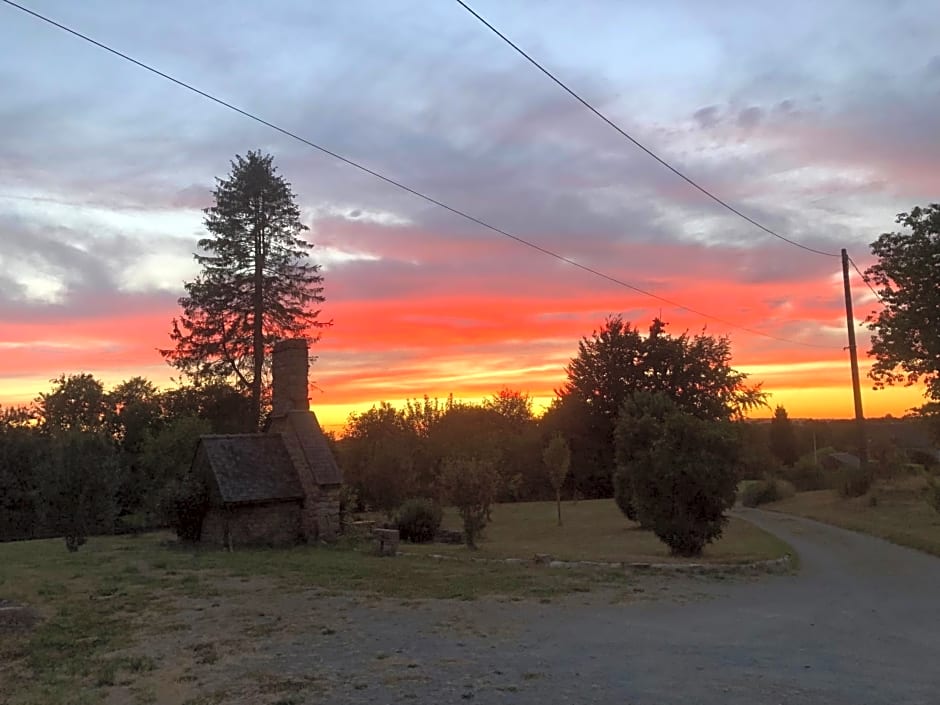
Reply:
x=258, y=332
x=558, y=502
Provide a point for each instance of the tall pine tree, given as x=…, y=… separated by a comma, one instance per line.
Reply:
x=256, y=286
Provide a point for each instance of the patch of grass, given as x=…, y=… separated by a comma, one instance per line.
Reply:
x=900, y=513
x=595, y=530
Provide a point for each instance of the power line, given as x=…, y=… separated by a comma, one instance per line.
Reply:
x=398, y=184
x=635, y=142
x=867, y=282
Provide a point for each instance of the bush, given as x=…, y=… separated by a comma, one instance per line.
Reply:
x=418, y=520
x=623, y=493
x=853, y=481
x=183, y=504
x=806, y=475
x=770, y=489
x=470, y=484
x=933, y=494
x=686, y=482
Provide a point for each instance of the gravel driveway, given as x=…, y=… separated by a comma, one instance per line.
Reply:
x=860, y=624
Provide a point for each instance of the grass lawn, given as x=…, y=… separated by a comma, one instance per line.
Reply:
x=105, y=597
x=102, y=603
x=899, y=514
x=596, y=530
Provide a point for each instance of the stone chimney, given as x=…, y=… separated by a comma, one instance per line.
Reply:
x=289, y=369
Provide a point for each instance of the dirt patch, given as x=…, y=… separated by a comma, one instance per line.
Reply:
x=15, y=617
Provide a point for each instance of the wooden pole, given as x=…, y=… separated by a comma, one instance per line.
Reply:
x=861, y=437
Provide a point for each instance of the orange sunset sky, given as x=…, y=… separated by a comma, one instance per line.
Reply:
x=822, y=136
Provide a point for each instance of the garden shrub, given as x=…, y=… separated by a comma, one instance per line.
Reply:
x=770, y=489
x=686, y=482
x=183, y=504
x=418, y=520
x=805, y=475
x=470, y=485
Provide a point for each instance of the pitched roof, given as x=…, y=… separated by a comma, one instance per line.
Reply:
x=250, y=467
x=316, y=449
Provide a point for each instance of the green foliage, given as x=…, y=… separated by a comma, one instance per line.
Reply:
x=694, y=371
x=906, y=340
x=806, y=475
x=557, y=458
x=76, y=403
x=623, y=493
x=683, y=477
x=932, y=494
x=418, y=520
x=753, y=493
x=165, y=461
x=183, y=503
x=78, y=485
x=470, y=485
x=756, y=459
x=377, y=457
x=783, y=438
x=256, y=285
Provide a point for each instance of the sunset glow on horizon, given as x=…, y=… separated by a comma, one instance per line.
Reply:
x=100, y=199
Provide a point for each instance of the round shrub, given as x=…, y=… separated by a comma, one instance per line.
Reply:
x=418, y=520
x=806, y=475
x=770, y=489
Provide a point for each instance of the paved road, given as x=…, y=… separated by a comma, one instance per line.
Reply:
x=860, y=625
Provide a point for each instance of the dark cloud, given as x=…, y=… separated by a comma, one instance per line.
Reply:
x=707, y=117
x=750, y=117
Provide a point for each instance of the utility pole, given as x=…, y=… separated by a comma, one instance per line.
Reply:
x=862, y=438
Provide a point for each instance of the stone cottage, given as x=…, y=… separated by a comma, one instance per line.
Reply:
x=276, y=487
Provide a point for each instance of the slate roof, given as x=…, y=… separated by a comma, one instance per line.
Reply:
x=250, y=468
x=316, y=449
x=846, y=459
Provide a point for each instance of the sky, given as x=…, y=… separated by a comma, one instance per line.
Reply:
x=817, y=119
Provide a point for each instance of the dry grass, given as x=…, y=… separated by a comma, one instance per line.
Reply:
x=596, y=530
x=894, y=510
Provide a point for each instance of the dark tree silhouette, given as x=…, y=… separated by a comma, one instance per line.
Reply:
x=783, y=437
x=906, y=339
x=256, y=285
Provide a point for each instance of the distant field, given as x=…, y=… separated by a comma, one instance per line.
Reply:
x=899, y=514
x=596, y=530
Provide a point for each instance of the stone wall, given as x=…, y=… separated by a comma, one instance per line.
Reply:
x=289, y=367
x=274, y=524
x=327, y=511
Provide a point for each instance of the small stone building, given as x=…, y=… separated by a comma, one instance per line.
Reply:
x=276, y=487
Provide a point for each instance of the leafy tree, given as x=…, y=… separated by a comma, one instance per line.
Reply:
x=223, y=406
x=76, y=403
x=165, y=461
x=683, y=481
x=377, y=457
x=78, y=482
x=557, y=457
x=21, y=448
x=514, y=406
x=906, y=336
x=133, y=412
x=616, y=360
x=783, y=438
x=469, y=484
x=256, y=285
x=639, y=426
